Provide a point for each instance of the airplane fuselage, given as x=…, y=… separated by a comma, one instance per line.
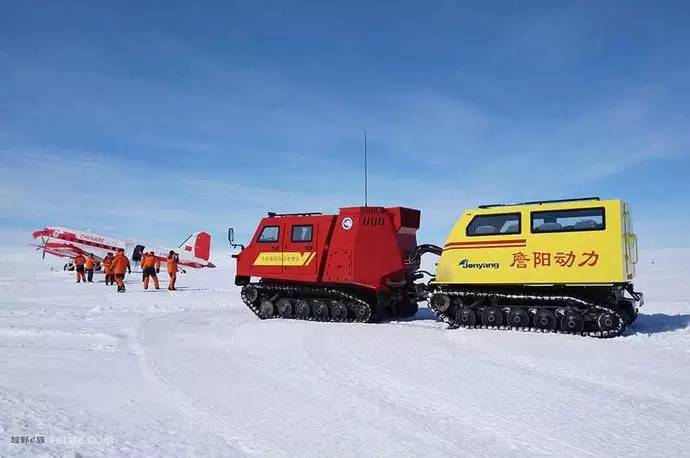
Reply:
x=65, y=242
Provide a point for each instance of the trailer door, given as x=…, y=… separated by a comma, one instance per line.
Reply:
x=630, y=241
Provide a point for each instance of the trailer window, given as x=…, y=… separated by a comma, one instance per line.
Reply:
x=581, y=219
x=503, y=224
x=269, y=234
x=302, y=233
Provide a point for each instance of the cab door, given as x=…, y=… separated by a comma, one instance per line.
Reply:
x=268, y=246
x=299, y=247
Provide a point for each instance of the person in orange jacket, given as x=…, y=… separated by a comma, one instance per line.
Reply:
x=79, y=262
x=148, y=265
x=89, y=265
x=120, y=265
x=107, y=269
x=172, y=262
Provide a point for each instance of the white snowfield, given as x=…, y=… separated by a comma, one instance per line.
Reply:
x=90, y=372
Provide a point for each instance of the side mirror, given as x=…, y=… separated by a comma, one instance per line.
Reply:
x=231, y=239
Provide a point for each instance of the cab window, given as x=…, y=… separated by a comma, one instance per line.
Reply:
x=269, y=234
x=302, y=233
x=501, y=224
x=581, y=219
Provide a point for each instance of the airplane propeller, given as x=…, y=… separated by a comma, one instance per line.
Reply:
x=42, y=247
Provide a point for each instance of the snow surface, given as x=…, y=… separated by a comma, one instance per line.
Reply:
x=193, y=372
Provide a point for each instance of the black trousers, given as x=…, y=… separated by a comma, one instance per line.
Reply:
x=149, y=272
x=89, y=275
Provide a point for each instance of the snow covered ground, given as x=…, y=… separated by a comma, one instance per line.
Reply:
x=193, y=372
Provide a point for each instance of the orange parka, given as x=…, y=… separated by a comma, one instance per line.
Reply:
x=120, y=264
x=106, y=265
x=79, y=260
x=90, y=263
x=172, y=264
x=148, y=261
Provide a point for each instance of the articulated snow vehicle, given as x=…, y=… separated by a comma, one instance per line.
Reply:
x=552, y=266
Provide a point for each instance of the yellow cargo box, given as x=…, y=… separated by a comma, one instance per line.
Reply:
x=569, y=242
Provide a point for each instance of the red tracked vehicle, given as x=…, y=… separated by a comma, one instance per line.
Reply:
x=358, y=265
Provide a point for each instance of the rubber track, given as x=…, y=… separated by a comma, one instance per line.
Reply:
x=305, y=291
x=538, y=298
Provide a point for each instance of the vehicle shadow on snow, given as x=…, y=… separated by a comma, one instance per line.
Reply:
x=658, y=323
x=423, y=313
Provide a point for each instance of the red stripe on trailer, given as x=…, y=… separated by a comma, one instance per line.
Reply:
x=488, y=242
x=484, y=247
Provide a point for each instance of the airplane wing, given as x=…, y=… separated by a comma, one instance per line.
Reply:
x=63, y=250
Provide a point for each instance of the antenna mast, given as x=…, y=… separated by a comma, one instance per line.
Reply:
x=365, y=170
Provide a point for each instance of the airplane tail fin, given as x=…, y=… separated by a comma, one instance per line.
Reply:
x=199, y=244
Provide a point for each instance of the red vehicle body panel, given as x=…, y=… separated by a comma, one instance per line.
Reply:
x=363, y=246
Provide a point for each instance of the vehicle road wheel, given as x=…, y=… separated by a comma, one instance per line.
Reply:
x=284, y=308
x=492, y=316
x=441, y=302
x=320, y=310
x=250, y=293
x=518, y=318
x=466, y=317
x=608, y=321
x=266, y=309
x=302, y=309
x=362, y=312
x=545, y=320
x=338, y=311
x=572, y=322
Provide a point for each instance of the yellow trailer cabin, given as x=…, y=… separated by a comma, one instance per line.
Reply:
x=574, y=242
x=563, y=265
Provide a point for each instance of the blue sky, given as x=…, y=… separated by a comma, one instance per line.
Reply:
x=155, y=120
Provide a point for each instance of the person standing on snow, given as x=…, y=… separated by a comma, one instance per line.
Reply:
x=79, y=261
x=120, y=265
x=172, y=262
x=148, y=264
x=108, y=270
x=89, y=265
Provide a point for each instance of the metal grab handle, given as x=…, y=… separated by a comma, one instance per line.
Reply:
x=632, y=236
x=631, y=239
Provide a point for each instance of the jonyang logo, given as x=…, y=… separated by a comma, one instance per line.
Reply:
x=466, y=264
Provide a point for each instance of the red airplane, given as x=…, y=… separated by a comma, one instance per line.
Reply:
x=194, y=252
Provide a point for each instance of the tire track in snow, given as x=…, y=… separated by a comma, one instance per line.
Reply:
x=575, y=378
x=434, y=407
x=198, y=413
